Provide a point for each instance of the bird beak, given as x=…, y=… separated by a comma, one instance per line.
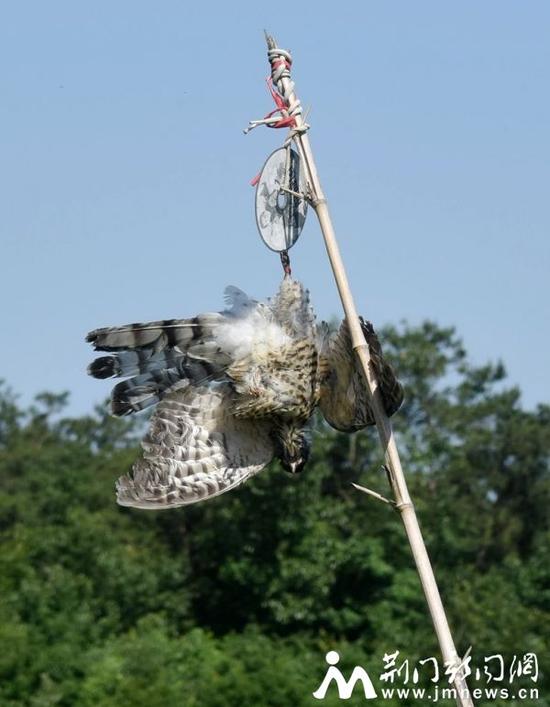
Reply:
x=294, y=467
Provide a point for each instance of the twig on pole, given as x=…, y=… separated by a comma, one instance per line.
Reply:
x=291, y=116
x=374, y=494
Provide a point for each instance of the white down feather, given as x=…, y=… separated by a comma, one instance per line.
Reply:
x=249, y=329
x=254, y=334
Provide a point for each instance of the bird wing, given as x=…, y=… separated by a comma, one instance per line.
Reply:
x=195, y=449
x=156, y=357
x=344, y=399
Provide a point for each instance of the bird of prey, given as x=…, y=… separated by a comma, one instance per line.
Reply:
x=234, y=390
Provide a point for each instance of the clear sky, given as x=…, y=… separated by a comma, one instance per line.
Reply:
x=124, y=172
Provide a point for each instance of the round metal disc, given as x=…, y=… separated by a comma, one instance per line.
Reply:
x=280, y=216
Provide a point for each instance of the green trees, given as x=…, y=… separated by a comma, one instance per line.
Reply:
x=235, y=602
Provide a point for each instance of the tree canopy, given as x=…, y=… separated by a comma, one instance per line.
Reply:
x=236, y=601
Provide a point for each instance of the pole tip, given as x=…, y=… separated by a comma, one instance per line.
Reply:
x=270, y=41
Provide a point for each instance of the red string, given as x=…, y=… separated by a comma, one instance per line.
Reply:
x=284, y=121
x=281, y=62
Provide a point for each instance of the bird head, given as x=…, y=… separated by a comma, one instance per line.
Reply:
x=293, y=448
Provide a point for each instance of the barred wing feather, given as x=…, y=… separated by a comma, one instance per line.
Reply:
x=156, y=356
x=195, y=449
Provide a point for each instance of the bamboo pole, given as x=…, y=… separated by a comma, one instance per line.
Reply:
x=403, y=502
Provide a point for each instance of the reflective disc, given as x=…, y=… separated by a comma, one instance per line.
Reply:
x=280, y=216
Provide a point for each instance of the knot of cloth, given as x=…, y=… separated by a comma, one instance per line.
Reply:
x=287, y=105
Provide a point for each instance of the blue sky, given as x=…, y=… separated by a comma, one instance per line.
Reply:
x=124, y=172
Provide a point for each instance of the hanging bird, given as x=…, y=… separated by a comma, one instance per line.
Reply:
x=234, y=390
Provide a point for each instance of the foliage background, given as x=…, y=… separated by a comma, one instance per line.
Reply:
x=235, y=602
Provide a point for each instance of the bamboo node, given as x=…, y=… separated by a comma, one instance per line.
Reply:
x=402, y=505
x=315, y=201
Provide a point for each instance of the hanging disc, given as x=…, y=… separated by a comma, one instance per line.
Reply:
x=280, y=215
